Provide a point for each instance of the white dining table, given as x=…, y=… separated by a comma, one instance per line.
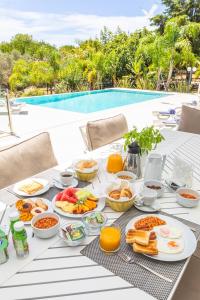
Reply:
x=61, y=272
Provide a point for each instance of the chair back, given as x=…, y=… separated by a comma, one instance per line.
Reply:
x=104, y=131
x=190, y=119
x=26, y=159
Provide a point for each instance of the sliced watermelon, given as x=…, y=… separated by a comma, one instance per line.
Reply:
x=59, y=196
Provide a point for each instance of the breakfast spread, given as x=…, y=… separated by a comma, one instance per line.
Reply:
x=76, y=201
x=32, y=187
x=28, y=208
x=45, y=223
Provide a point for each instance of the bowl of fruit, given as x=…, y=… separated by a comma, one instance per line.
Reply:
x=74, y=202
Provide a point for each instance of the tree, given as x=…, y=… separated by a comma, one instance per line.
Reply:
x=41, y=73
x=20, y=75
x=177, y=8
x=6, y=65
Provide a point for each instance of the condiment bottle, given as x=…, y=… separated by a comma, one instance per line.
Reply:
x=20, y=239
x=3, y=250
x=14, y=217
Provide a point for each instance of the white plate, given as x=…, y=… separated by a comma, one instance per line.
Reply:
x=44, y=182
x=59, y=185
x=190, y=242
x=100, y=206
x=46, y=201
x=150, y=209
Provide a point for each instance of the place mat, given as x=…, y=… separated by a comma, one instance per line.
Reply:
x=132, y=273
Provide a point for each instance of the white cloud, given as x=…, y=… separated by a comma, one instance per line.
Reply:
x=63, y=28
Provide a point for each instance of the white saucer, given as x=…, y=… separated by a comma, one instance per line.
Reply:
x=59, y=185
x=154, y=208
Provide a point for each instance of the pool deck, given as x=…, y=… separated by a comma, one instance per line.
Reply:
x=63, y=126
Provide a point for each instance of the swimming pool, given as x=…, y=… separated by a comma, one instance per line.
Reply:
x=92, y=101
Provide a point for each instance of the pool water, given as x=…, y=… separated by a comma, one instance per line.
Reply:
x=88, y=102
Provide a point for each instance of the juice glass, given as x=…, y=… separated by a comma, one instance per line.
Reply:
x=114, y=163
x=109, y=240
x=115, y=160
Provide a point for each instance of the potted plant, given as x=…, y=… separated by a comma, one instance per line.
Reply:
x=142, y=141
x=147, y=139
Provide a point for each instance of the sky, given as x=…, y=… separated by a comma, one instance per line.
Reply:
x=61, y=22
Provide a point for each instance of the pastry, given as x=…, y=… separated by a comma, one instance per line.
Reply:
x=26, y=216
x=115, y=194
x=125, y=192
x=26, y=207
x=36, y=211
x=19, y=204
x=40, y=203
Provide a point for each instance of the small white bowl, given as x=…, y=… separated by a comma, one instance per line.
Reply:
x=155, y=183
x=185, y=201
x=48, y=232
x=127, y=173
x=68, y=241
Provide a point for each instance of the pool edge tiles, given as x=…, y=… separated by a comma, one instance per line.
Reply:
x=93, y=101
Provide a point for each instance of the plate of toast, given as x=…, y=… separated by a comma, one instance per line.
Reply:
x=31, y=187
x=160, y=237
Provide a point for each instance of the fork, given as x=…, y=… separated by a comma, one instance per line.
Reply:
x=131, y=260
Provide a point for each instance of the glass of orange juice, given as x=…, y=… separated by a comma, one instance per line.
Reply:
x=114, y=163
x=110, y=237
x=115, y=160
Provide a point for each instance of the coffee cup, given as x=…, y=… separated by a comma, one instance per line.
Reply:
x=66, y=177
x=147, y=199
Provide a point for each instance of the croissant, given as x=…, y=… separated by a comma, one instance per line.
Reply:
x=126, y=193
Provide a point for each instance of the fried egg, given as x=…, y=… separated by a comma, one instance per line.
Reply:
x=169, y=232
x=170, y=246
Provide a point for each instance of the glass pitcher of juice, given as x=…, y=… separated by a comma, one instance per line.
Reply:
x=115, y=160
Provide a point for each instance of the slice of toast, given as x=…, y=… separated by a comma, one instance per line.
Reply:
x=151, y=249
x=138, y=236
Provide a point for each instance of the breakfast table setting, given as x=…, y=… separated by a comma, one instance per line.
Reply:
x=97, y=228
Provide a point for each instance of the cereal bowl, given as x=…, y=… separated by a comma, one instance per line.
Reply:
x=45, y=225
x=125, y=175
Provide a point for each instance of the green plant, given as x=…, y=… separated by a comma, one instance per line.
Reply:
x=147, y=138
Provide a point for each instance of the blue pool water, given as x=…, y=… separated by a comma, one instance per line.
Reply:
x=88, y=102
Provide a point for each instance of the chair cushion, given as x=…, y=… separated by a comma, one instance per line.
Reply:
x=105, y=131
x=190, y=119
x=26, y=159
